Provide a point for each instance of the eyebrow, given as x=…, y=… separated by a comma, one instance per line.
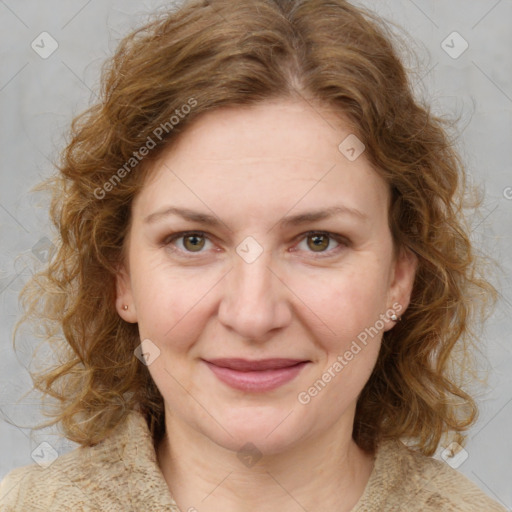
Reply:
x=293, y=220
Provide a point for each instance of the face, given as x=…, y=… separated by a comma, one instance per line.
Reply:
x=247, y=271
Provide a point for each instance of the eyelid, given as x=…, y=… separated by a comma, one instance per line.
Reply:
x=340, y=239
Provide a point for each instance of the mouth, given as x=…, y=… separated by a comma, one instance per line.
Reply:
x=257, y=375
x=245, y=365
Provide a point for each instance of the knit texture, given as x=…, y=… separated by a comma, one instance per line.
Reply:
x=122, y=474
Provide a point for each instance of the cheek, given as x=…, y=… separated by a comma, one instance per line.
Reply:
x=349, y=339
x=171, y=304
x=342, y=304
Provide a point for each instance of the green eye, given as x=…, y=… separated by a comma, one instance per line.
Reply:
x=319, y=241
x=316, y=242
x=193, y=242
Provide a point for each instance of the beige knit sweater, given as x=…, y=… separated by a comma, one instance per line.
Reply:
x=122, y=474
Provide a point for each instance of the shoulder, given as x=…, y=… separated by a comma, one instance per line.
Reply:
x=408, y=480
x=120, y=473
x=36, y=487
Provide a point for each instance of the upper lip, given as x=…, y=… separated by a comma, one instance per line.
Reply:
x=248, y=365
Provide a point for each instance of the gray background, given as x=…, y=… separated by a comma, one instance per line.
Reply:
x=38, y=98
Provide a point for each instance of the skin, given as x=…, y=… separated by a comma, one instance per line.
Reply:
x=250, y=167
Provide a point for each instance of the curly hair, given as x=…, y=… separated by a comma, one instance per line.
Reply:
x=207, y=55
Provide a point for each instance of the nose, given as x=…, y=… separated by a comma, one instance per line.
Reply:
x=255, y=300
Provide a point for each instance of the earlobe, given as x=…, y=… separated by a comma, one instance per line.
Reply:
x=125, y=304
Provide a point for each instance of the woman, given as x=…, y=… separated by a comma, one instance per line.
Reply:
x=262, y=276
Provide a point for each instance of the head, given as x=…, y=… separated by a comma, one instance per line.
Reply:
x=256, y=285
x=242, y=111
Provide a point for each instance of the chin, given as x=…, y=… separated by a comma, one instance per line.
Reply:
x=268, y=434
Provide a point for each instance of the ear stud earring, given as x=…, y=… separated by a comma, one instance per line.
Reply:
x=125, y=307
x=395, y=318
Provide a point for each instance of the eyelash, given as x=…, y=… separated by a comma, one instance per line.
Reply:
x=325, y=254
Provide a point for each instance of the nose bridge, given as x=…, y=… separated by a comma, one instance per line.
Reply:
x=254, y=301
x=254, y=278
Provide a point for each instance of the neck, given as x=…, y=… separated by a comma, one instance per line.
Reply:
x=328, y=472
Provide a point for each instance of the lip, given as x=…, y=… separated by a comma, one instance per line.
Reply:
x=246, y=365
x=255, y=376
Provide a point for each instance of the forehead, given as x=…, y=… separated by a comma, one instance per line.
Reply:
x=280, y=129
x=267, y=157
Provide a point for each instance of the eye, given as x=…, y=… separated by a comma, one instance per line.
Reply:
x=319, y=241
x=193, y=241
x=316, y=241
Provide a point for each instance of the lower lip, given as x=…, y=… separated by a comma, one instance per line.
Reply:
x=256, y=381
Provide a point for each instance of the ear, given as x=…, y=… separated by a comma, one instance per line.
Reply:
x=402, y=281
x=124, y=295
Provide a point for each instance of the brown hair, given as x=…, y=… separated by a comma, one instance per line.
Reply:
x=206, y=55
